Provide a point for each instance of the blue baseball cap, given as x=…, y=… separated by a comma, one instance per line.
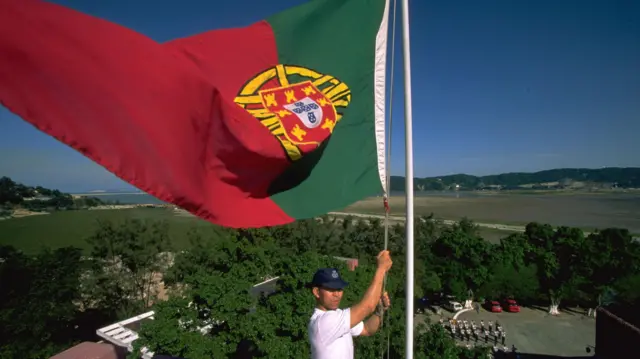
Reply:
x=328, y=278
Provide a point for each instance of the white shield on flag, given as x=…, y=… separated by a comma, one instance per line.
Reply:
x=308, y=111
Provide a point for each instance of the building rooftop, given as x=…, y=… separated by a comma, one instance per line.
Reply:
x=617, y=332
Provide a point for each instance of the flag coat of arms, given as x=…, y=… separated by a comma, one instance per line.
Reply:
x=246, y=127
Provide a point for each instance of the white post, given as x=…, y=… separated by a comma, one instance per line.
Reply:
x=409, y=176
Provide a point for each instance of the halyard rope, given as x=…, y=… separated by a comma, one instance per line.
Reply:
x=388, y=161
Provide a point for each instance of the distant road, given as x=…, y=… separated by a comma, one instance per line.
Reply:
x=448, y=222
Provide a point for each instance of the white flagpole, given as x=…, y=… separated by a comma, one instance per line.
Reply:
x=409, y=176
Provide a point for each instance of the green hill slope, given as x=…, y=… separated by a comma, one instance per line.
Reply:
x=572, y=178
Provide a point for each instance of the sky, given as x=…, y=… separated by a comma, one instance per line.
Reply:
x=497, y=85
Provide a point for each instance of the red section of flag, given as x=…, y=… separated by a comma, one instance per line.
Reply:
x=161, y=117
x=311, y=134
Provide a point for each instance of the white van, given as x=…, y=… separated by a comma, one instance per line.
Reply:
x=454, y=306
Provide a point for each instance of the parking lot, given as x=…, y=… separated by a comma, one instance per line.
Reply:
x=534, y=331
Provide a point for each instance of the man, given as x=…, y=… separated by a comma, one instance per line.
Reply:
x=331, y=330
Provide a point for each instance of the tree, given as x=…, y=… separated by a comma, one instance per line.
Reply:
x=214, y=310
x=38, y=305
x=426, y=232
x=5, y=213
x=461, y=256
x=210, y=318
x=512, y=271
x=215, y=276
x=14, y=194
x=9, y=193
x=624, y=177
x=509, y=281
x=87, y=202
x=433, y=342
x=627, y=290
x=542, y=241
x=43, y=191
x=582, y=269
x=126, y=261
x=60, y=201
x=606, y=258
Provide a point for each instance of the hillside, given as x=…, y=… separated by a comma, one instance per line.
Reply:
x=560, y=178
x=18, y=197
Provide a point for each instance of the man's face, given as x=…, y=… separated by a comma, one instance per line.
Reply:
x=328, y=299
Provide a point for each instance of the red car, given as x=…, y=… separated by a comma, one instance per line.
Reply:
x=511, y=306
x=493, y=306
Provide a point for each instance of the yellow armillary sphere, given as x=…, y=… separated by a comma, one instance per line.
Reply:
x=298, y=105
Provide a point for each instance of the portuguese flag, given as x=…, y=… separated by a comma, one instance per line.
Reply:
x=245, y=127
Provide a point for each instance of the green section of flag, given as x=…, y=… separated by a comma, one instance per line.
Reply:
x=336, y=38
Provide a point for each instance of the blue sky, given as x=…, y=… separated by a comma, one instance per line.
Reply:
x=498, y=86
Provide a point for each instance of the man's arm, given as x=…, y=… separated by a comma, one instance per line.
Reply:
x=371, y=297
x=372, y=324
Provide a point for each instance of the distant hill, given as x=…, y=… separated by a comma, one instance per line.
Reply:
x=14, y=195
x=561, y=178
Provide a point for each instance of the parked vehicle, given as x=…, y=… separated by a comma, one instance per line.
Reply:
x=493, y=306
x=511, y=306
x=453, y=306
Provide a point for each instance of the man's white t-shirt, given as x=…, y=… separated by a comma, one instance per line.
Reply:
x=331, y=335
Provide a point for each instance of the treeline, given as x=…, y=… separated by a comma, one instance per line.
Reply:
x=58, y=298
x=628, y=177
x=17, y=195
x=211, y=312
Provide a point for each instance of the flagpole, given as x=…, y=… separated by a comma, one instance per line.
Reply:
x=408, y=177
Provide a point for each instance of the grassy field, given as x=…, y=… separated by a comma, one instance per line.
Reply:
x=71, y=228
x=32, y=234
x=587, y=212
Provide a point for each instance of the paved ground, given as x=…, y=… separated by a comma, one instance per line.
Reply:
x=534, y=331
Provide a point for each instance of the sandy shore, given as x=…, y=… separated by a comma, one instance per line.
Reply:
x=583, y=211
x=100, y=194
x=21, y=213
